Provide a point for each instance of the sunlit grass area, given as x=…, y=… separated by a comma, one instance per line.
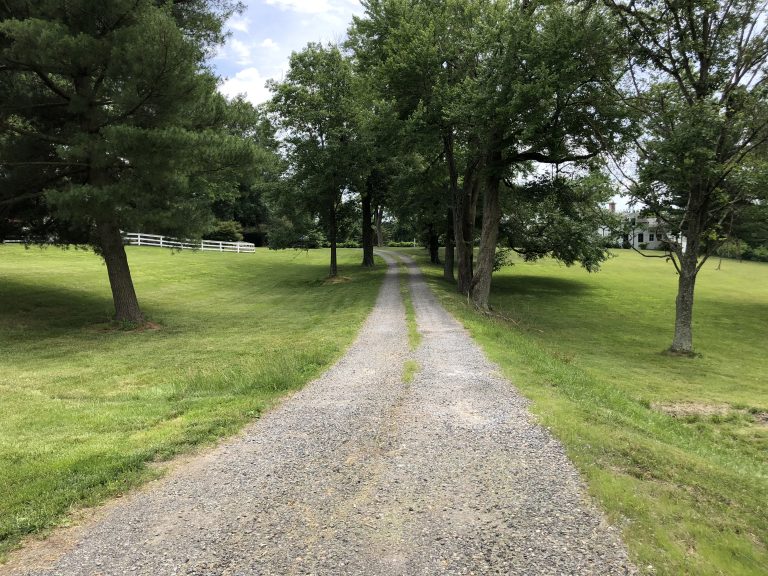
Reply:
x=675, y=449
x=84, y=406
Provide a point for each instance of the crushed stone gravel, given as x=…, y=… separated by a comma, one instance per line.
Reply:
x=360, y=473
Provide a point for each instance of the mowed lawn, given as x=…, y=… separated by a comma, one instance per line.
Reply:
x=85, y=407
x=675, y=449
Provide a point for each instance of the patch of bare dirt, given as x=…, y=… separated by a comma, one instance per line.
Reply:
x=684, y=409
x=688, y=409
x=338, y=280
x=761, y=418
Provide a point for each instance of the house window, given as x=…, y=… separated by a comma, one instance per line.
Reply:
x=650, y=237
x=640, y=238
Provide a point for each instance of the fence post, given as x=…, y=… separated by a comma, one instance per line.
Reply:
x=238, y=247
x=161, y=241
x=138, y=239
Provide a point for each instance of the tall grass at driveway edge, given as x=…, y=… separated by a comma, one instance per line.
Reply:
x=84, y=406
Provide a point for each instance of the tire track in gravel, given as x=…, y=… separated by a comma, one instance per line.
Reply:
x=360, y=473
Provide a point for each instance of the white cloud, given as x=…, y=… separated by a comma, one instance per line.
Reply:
x=267, y=32
x=248, y=82
x=269, y=43
x=303, y=6
x=239, y=23
x=243, y=51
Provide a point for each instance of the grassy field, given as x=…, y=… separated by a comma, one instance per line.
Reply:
x=84, y=407
x=675, y=449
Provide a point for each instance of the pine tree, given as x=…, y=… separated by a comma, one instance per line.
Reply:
x=110, y=121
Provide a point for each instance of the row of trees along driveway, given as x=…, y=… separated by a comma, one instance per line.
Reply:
x=511, y=115
x=502, y=119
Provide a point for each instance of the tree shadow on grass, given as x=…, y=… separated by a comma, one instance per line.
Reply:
x=301, y=273
x=756, y=312
x=538, y=285
x=28, y=308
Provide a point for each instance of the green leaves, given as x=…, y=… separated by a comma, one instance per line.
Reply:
x=115, y=109
x=557, y=216
x=314, y=108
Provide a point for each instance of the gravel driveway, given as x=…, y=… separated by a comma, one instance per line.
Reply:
x=361, y=473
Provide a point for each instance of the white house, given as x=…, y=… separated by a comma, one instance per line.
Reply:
x=640, y=232
x=644, y=232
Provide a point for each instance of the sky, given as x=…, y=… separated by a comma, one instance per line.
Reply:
x=264, y=35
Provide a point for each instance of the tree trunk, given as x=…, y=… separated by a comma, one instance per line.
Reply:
x=332, y=236
x=367, y=230
x=449, y=251
x=434, y=245
x=464, y=204
x=379, y=216
x=481, y=283
x=464, y=228
x=683, y=340
x=110, y=245
x=492, y=173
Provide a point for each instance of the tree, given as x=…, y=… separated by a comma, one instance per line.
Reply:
x=110, y=121
x=751, y=227
x=697, y=70
x=314, y=107
x=250, y=206
x=376, y=150
x=502, y=86
x=541, y=97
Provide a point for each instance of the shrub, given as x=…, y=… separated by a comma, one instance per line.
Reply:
x=226, y=231
x=732, y=249
x=502, y=258
x=757, y=254
x=312, y=239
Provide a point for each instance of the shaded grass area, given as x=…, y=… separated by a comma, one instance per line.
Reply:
x=689, y=490
x=84, y=407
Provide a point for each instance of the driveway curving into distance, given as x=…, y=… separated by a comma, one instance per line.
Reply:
x=362, y=473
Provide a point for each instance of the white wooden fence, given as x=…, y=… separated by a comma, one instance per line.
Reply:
x=138, y=239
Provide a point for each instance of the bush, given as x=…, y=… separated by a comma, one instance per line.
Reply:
x=502, y=257
x=732, y=249
x=349, y=244
x=643, y=245
x=312, y=239
x=283, y=233
x=757, y=254
x=393, y=244
x=226, y=231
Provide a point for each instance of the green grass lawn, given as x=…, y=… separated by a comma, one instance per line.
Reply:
x=84, y=408
x=690, y=491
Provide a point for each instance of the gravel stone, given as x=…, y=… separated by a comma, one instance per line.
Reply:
x=360, y=473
